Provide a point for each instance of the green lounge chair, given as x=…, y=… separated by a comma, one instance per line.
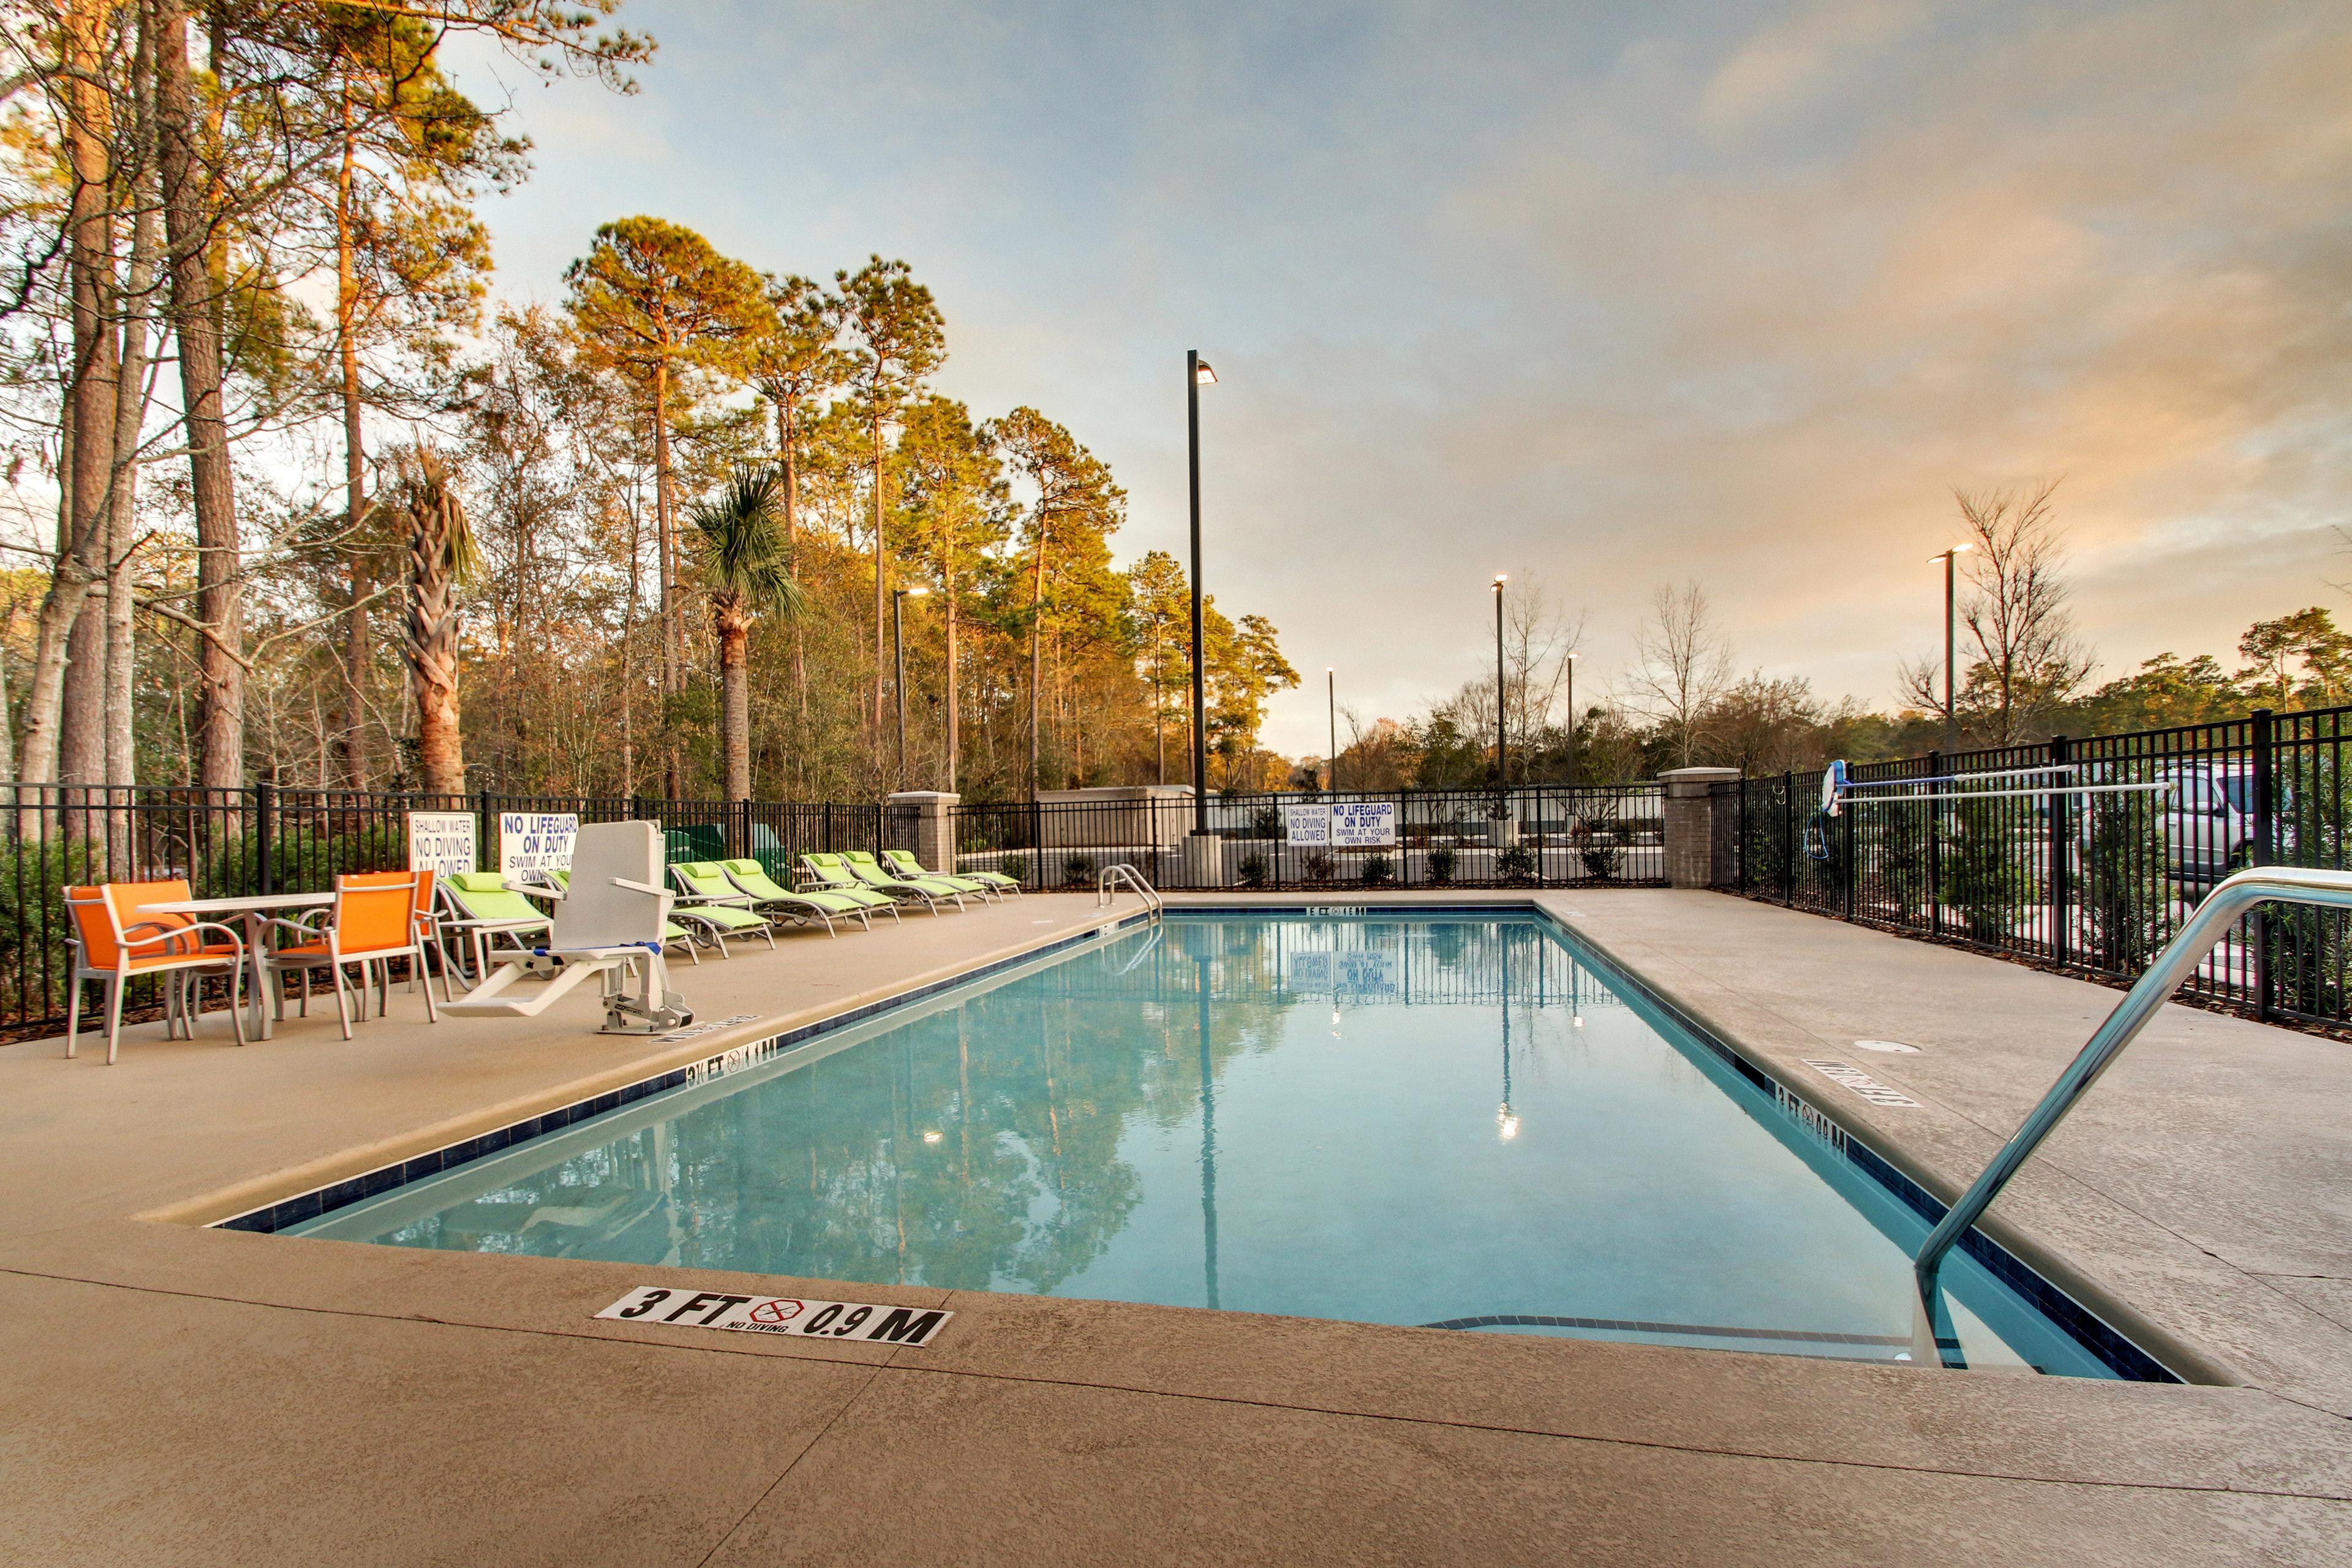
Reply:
x=888, y=860
x=837, y=873
x=870, y=871
x=706, y=888
x=706, y=900
x=752, y=879
x=995, y=883
x=483, y=911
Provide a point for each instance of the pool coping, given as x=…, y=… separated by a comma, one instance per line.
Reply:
x=2119, y=1337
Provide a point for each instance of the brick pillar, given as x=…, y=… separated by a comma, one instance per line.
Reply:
x=1702, y=809
x=935, y=838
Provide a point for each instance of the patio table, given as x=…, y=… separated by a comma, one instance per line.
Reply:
x=256, y=910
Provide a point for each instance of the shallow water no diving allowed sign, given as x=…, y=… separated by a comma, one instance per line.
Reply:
x=859, y=1320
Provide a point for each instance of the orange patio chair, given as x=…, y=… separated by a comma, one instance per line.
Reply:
x=373, y=922
x=114, y=943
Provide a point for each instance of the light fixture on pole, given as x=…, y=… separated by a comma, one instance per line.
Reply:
x=899, y=659
x=1949, y=558
x=1502, y=735
x=1331, y=703
x=1197, y=374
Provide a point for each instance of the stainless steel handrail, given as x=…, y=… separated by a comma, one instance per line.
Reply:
x=2230, y=899
x=1122, y=872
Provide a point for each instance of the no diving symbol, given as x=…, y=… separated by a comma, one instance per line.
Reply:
x=777, y=1311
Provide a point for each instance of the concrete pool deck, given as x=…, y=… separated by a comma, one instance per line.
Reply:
x=182, y=1395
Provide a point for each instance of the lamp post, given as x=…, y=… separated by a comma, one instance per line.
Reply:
x=1197, y=374
x=1951, y=559
x=1331, y=703
x=1502, y=735
x=1571, y=718
x=898, y=596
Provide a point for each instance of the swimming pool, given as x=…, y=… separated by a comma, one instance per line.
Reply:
x=1457, y=1119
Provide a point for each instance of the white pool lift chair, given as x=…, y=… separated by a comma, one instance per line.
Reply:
x=609, y=922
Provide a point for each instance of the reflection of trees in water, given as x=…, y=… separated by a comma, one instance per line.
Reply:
x=827, y=1172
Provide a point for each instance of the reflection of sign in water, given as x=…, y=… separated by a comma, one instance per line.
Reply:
x=1363, y=824
x=1361, y=973
x=1307, y=824
x=530, y=841
x=441, y=842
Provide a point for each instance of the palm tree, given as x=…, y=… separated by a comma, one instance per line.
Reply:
x=441, y=556
x=746, y=570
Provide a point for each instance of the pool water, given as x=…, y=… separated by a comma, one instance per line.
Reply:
x=1441, y=1120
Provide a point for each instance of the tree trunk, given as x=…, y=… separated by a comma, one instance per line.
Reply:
x=130, y=419
x=220, y=605
x=435, y=525
x=880, y=593
x=732, y=631
x=787, y=428
x=955, y=726
x=672, y=652
x=65, y=737
x=1036, y=650
x=358, y=653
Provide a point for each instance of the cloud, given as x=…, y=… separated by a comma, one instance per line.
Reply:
x=1623, y=295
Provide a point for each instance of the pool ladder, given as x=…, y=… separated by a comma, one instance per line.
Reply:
x=2229, y=900
x=1123, y=874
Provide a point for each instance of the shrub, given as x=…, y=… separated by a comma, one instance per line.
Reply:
x=1987, y=878
x=1319, y=866
x=1254, y=871
x=1015, y=867
x=1517, y=864
x=1440, y=864
x=1266, y=822
x=300, y=858
x=1602, y=857
x=1378, y=871
x=2124, y=902
x=1077, y=868
x=34, y=922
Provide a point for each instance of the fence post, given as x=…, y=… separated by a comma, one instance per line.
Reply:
x=1935, y=844
x=2265, y=851
x=2062, y=840
x=1788, y=839
x=1853, y=872
x=1740, y=850
x=265, y=812
x=486, y=830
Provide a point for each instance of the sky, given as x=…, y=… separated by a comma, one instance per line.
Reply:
x=1605, y=296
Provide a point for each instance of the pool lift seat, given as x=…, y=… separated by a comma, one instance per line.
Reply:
x=2179, y=960
x=609, y=922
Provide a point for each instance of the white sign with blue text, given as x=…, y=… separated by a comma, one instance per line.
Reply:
x=441, y=842
x=1363, y=824
x=1308, y=825
x=531, y=842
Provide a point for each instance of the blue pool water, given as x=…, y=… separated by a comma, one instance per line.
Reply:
x=1434, y=1120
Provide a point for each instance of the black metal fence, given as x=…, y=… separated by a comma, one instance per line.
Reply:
x=266, y=839
x=2096, y=882
x=238, y=842
x=1529, y=836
